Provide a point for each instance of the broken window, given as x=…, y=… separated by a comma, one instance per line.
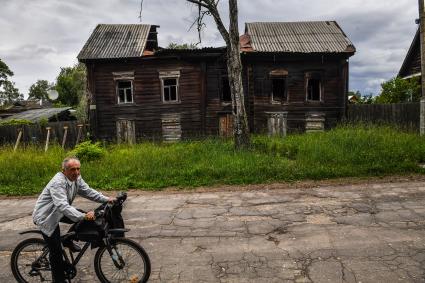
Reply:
x=278, y=85
x=314, y=86
x=125, y=92
x=170, y=86
x=226, y=95
x=278, y=89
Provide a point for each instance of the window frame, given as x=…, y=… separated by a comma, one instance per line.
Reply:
x=222, y=101
x=125, y=95
x=165, y=75
x=284, y=99
x=310, y=75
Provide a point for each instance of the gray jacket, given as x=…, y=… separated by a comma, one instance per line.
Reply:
x=56, y=199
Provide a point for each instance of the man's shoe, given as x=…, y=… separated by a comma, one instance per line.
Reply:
x=73, y=247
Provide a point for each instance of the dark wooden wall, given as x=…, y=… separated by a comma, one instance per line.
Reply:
x=148, y=107
x=200, y=86
x=334, y=71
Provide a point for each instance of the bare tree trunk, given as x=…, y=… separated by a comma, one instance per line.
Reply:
x=234, y=69
x=234, y=64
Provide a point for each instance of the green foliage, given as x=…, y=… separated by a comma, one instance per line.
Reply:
x=5, y=72
x=71, y=84
x=9, y=93
x=88, y=151
x=16, y=122
x=399, y=90
x=342, y=152
x=43, y=122
x=39, y=89
x=173, y=45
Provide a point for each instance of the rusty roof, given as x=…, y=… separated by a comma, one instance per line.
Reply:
x=298, y=37
x=116, y=41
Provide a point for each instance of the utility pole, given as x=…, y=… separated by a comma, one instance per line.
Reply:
x=422, y=43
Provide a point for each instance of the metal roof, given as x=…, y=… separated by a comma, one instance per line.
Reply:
x=298, y=37
x=116, y=41
x=36, y=115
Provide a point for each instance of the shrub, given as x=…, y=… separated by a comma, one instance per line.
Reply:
x=88, y=151
x=16, y=122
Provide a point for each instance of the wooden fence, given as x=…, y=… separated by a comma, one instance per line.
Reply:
x=37, y=134
x=403, y=115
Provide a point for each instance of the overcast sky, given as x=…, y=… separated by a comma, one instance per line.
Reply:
x=38, y=37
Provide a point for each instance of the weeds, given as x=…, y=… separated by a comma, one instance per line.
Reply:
x=342, y=152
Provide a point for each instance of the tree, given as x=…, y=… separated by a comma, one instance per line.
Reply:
x=234, y=63
x=5, y=72
x=398, y=90
x=39, y=89
x=9, y=93
x=71, y=84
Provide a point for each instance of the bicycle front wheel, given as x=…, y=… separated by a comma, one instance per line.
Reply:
x=30, y=261
x=128, y=263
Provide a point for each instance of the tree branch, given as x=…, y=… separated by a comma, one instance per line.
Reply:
x=199, y=2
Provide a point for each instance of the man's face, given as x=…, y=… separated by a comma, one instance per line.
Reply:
x=72, y=170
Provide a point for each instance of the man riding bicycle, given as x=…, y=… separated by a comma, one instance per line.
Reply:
x=54, y=205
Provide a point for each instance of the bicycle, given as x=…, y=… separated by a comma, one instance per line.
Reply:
x=117, y=259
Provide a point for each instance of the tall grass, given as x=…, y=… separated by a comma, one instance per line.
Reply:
x=344, y=151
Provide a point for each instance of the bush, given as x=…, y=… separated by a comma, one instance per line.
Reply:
x=88, y=151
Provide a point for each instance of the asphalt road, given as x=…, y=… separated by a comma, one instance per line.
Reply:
x=337, y=233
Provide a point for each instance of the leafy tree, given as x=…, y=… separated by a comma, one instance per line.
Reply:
x=398, y=90
x=71, y=84
x=9, y=93
x=173, y=45
x=39, y=89
x=5, y=72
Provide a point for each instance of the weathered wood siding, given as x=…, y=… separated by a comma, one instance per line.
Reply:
x=200, y=108
x=148, y=107
x=259, y=88
x=404, y=115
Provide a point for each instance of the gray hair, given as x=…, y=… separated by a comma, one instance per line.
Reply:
x=66, y=161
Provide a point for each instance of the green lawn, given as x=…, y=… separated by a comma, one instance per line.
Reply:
x=342, y=152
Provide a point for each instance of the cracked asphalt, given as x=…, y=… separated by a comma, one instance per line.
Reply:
x=372, y=232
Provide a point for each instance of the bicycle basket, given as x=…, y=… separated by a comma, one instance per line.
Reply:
x=90, y=231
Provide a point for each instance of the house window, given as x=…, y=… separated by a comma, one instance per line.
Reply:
x=170, y=86
x=170, y=90
x=278, y=89
x=278, y=85
x=226, y=95
x=314, y=86
x=125, y=92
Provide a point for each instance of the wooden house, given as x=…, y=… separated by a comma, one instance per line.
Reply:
x=293, y=73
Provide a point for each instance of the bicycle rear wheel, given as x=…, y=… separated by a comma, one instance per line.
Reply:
x=135, y=264
x=30, y=261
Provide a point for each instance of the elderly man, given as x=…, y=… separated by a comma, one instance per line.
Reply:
x=55, y=204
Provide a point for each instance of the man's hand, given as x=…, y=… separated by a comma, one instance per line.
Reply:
x=89, y=216
x=112, y=199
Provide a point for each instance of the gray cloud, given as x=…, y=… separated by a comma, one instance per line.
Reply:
x=40, y=36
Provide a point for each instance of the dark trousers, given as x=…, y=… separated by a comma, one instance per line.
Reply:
x=55, y=256
x=56, y=252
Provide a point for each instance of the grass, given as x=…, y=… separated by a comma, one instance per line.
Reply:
x=343, y=152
